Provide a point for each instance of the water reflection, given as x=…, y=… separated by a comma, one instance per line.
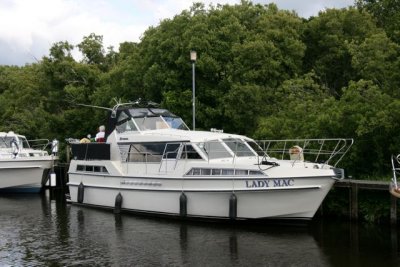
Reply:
x=353, y=244
x=37, y=231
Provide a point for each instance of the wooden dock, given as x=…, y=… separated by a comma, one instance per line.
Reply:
x=355, y=185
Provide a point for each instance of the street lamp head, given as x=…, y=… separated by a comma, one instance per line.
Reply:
x=193, y=55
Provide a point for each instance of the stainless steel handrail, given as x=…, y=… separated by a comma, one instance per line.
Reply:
x=326, y=150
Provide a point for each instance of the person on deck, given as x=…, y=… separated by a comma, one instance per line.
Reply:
x=100, y=136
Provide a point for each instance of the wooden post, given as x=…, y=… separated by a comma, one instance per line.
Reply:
x=354, y=202
x=393, y=210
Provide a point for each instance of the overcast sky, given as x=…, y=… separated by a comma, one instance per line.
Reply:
x=28, y=28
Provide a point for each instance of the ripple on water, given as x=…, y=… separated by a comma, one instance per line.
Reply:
x=37, y=231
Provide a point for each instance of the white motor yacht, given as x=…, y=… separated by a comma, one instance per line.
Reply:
x=152, y=163
x=23, y=168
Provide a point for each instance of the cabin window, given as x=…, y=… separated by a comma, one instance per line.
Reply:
x=241, y=172
x=196, y=171
x=171, y=151
x=189, y=152
x=155, y=152
x=90, y=168
x=223, y=172
x=227, y=171
x=216, y=171
x=97, y=168
x=255, y=172
x=205, y=171
x=146, y=152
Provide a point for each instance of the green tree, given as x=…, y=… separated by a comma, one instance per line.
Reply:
x=365, y=115
x=377, y=58
x=387, y=14
x=300, y=104
x=327, y=36
x=92, y=49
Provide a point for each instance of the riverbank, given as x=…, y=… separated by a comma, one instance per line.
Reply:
x=361, y=200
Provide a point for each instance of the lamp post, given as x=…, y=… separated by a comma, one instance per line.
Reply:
x=193, y=58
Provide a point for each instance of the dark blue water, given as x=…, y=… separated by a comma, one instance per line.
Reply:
x=38, y=231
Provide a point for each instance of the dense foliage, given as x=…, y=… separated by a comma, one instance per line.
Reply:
x=263, y=72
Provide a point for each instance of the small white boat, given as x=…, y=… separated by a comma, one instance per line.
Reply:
x=152, y=163
x=394, y=189
x=23, y=168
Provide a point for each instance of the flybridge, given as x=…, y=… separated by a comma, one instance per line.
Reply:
x=140, y=116
x=144, y=119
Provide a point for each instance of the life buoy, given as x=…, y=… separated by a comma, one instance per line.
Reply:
x=295, y=150
x=296, y=153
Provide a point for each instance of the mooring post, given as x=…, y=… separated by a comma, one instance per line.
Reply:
x=354, y=202
x=393, y=209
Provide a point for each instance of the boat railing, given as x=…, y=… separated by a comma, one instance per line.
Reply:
x=325, y=151
x=40, y=144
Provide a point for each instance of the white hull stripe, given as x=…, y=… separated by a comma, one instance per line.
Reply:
x=202, y=178
x=195, y=190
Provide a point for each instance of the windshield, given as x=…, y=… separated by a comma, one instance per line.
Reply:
x=5, y=142
x=256, y=148
x=157, y=123
x=176, y=123
x=238, y=147
x=144, y=119
x=151, y=123
x=22, y=142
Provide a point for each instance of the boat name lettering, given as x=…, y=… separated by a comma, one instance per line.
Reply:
x=123, y=138
x=270, y=183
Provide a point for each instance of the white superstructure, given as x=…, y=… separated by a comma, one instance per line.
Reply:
x=22, y=168
x=152, y=163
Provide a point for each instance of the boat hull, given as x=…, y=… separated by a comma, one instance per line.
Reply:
x=23, y=176
x=300, y=198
